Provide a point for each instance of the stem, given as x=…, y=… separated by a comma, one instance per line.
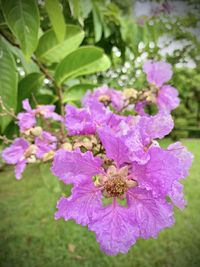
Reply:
x=58, y=91
x=62, y=111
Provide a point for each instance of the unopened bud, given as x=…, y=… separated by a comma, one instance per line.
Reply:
x=36, y=131
x=27, y=132
x=87, y=144
x=31, y=159
x=131, y=183
x=31, y=150
x=48, y=156
x=104, y=98
x=130, y=93
x=67, y=146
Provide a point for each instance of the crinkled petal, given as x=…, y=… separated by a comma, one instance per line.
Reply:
x=136, y=146
x=157, y=72
x=151, y=214
x=184, y=158
x=47, y=111
x=26, y=105
x=19, y=168
x=114, y=146
x=99, y=113
x=26, y=120
x=79, y=121
x=157, y=126
x=14, y=153
x=45, y=108
x=115, y=228
x=139, y=108
x=52, y=115
x=167, y=99
x=81, y=204
x=45, y=143
x=115, y=97
x=72, y=166
x=177, y=196
x=159, y=173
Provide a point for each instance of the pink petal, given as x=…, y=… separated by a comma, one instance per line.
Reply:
x=114, y=146
x=176, y=195
x=115, y=228
x=156, y=126
x=72, y=166
x=151, y=214
x=184, y=158
x=26, y=105
x=13, y=153
x=81, y=204
x=157, y=72
x=159, y=173
x=168, y=99
x=26, y=120
x=19, y=168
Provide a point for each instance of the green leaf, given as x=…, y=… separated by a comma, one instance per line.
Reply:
x=50, y=50
x=29, y=85
x=8, y=83
x=74, y=8
x=28, y=66
x=23, y=20
x=76, y=92
x=51, y=182
x=98, y=29
x=56, y=17
x=85, y=60
x=80, y=9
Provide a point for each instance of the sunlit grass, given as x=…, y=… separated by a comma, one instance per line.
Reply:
x=31, y=237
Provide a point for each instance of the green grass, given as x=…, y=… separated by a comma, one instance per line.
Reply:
x=30, y=237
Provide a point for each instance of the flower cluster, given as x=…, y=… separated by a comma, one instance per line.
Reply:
x=124, y=184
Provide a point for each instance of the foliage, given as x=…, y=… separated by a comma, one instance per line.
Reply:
x=37, y=58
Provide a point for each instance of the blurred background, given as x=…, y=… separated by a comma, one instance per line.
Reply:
x=129, y=32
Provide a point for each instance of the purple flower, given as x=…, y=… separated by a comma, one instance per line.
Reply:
x=27, y=120
x=138, y=134
x=87, y=120
x=45, y=143
x=79, y=121
x=15, y=155
x=115, y=176
x=47, y=111
x=106, y=96
x=158, y=72
x=164, y=96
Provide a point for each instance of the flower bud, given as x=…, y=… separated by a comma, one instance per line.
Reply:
x=67, y=146
x=36, y=131
x=31, y=150
x=31, y=159
x=48, y=156
x=130, y=93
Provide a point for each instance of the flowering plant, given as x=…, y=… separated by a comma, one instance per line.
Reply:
x=124, y=184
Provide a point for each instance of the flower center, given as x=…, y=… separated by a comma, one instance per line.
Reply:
x=115, y=187
x=105, y=99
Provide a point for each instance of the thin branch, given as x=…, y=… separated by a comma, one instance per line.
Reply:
x=6, y=111
x=5, y=139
